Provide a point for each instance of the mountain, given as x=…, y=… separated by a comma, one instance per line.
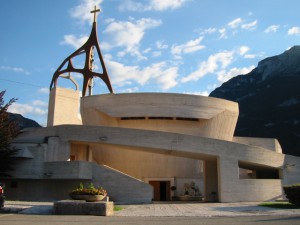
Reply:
x=269, y=100
x=22, y=121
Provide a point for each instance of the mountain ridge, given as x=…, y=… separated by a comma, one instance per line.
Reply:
x=22, y=121
x=269, y=100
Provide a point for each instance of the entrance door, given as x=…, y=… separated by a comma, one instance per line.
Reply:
x=161, y=190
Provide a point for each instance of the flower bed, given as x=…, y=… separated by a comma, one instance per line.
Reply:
x=89, y=194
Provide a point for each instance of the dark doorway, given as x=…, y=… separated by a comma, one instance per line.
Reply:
x=161, y=190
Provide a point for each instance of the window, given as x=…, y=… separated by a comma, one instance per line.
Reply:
x=160, y=118
x=254, y=171
x=133, y=118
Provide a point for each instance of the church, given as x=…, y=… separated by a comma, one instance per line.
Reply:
x=143, y=147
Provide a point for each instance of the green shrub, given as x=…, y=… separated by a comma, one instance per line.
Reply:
x=292, y=193
x=90, y=190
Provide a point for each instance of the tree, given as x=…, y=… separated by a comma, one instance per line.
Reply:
x=8, y=131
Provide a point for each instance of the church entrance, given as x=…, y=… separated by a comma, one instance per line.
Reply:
x=161, y=190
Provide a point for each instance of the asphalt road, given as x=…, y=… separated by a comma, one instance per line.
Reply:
x=18, y=219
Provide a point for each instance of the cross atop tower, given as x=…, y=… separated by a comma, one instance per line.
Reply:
x=88, y=49
x=95, y=11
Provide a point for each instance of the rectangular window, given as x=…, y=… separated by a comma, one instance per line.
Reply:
x=133, y=118
x=160, y=118
x=255, y=171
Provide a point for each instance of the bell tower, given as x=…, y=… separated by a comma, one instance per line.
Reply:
x=64, y=103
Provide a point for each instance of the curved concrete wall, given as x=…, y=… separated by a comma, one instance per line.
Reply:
x=177, y=113
x=224, y=156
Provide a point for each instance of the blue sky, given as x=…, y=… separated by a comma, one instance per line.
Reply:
x=180, y=46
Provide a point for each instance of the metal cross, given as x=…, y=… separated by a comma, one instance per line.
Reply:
x=95, y=11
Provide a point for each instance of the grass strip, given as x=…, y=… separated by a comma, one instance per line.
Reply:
x=117, y=208
x=279, y=205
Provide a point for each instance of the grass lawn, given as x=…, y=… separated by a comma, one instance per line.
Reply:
x=117, y=208
x=279, y=205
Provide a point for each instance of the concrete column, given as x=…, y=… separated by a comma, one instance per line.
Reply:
x=210, y=175
x=228, y=176
x=57, y=150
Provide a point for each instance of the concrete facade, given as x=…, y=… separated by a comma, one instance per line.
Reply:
x=144, y=146
x=63, y=107
x=129, y=141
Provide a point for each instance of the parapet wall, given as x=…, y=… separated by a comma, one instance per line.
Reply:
x=177, y=113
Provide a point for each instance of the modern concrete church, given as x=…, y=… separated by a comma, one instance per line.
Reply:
x=144, y=146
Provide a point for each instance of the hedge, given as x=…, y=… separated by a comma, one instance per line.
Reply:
x=292, y=193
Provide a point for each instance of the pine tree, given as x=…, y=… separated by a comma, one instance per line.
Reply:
x=8, y=131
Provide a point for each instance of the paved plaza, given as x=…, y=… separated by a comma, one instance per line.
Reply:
x=202, y=210
x=169, y=209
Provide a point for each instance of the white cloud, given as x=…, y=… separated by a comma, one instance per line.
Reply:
x=208, y=31
x=155, y=5
x=167, y=78
x=130, y=5
x=188, y=47
x=77, y=76
x=161, y=45
x=121, y=54
x=156, y=53
x=250, y=26
x=14, y=69
x=212, y=86
x=44, y=90
x=214, y=62
x=39, y=103
x=250, y=56
x=74, y=41
x=160, y=73
x=272, y=28
x=147, y=50
x=35, y=108
x=294, y=31
x=82, y=11
x=224, y=75
x=203, y=93
x=166, y=4
x=235, y=23
x=128, y=34
x=223, y=33
x=243, y=50
x=129, y=90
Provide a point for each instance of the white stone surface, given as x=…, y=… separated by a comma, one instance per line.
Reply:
x=129, y=152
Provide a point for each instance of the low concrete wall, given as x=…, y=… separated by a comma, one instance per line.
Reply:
x=267, y=143
x=39, y=190
x=78, y=207
x=68, y=170
x=121, y=187
x=57, y=179
x=234, y=189
x=259, y=190
x=291, y=170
